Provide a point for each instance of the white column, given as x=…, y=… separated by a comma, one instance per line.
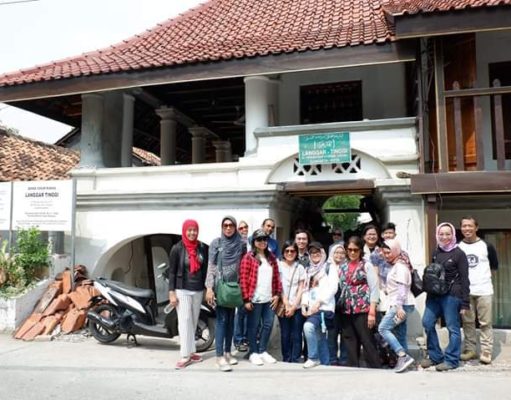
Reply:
x=127, y=130
x=91, y=149
x=198, y=144
x=256, y=109
x=407, y=212
x=223, y=151
x=168, y=135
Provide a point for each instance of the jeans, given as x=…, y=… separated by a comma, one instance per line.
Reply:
x=240, y=326
x=291, y=337
x=317, y=342
x=262, y=313
x=449, y=307
x=395, y=335
x=483, y=305
x=224, y=330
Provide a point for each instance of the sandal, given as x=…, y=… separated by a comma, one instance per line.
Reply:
x=183, y=363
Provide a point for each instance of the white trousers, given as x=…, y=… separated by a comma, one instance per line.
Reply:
x=188, y=310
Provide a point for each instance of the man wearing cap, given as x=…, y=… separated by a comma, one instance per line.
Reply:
x=268, y=226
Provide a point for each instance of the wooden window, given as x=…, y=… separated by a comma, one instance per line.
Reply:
x=331, y=102
x=502, y=72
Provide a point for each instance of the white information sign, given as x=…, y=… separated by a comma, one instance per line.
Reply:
x=46, y=205
x=5, y=206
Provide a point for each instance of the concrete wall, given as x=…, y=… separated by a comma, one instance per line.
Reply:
x=383, y=90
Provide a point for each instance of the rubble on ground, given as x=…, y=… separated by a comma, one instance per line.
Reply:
x=62, y=308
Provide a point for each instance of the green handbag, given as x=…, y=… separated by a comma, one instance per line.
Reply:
x=228, y=294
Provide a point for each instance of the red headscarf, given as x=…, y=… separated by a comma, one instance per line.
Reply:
x=191, y=245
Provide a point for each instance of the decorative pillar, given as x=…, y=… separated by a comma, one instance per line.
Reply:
x=257, y=92
x=91, y=148
x=199, y=134
x=223, y=152
x=168, y=135
x=127, y=130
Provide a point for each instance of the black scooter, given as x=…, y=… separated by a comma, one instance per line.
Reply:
x=125, y=309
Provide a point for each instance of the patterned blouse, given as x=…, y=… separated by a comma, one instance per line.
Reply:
x=359, y=287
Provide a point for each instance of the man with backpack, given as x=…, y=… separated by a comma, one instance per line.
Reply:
x=482, y=261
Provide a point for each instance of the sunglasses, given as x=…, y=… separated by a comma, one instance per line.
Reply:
x=292, y=251
x=261, y=239
x=228, y=225
x=351, y=250
x=243, y=227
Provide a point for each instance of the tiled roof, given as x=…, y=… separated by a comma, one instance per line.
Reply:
x=399, y=7
x=27, y=160
x=225, y=30
x=146, y=157
x=220, y=30
x=23, y=159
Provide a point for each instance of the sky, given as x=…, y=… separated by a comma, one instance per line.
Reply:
x=39, y=31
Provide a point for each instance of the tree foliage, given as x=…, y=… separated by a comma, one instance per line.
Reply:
x=344, y=220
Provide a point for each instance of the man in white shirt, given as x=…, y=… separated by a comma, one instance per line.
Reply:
x=482, y=260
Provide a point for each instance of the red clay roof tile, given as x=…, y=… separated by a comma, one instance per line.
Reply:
x=235, y=29
x=28, y=160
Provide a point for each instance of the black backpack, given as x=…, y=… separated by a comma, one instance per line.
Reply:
x=433, y=280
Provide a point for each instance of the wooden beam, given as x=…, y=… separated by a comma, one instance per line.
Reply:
x=452, y=22
x=462, y=182
x=478, y=91
x=431, y=223
x=480, y=136
x=360, y=186
x=349, y=56
x=499, y=130
x=441, y=122
x=458, y=132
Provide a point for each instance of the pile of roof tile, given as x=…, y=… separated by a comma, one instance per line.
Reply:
x=62, y=308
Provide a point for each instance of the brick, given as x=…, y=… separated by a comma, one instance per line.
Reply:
x=29, y=323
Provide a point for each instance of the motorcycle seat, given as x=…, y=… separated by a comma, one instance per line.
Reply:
x=128, y=290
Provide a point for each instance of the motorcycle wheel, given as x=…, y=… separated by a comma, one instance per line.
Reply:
x=205, y=334
x=100, y=333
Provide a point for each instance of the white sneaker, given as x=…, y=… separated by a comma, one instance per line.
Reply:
x=230, y=359
x=223, y=365
x=267, y=358
x=256, y=359
x=310, y=363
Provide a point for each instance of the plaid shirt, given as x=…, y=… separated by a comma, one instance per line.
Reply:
x=248, y=276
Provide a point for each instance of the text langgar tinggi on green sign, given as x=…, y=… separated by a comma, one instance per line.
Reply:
x=325, y=148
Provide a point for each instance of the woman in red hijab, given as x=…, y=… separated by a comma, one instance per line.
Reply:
x=188, y=262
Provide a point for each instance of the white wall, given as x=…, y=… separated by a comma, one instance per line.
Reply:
x=383, y=90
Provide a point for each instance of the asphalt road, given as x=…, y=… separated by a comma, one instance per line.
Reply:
x=80, y=368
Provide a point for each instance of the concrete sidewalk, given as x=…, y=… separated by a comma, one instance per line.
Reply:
x=78, y=367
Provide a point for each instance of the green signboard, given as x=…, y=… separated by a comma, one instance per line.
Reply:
x=324, y=148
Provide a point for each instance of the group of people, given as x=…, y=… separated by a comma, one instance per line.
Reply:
x=350, y=291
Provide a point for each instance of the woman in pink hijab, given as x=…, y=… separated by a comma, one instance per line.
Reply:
x=400, y=301
x=450, y=305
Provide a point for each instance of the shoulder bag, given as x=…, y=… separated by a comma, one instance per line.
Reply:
x=228, y=294
x=280, y=310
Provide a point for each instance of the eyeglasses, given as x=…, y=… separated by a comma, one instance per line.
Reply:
x=243, y=227
x=228, y=225
x=261, y=239
x=292, y=251
x=351, y=250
